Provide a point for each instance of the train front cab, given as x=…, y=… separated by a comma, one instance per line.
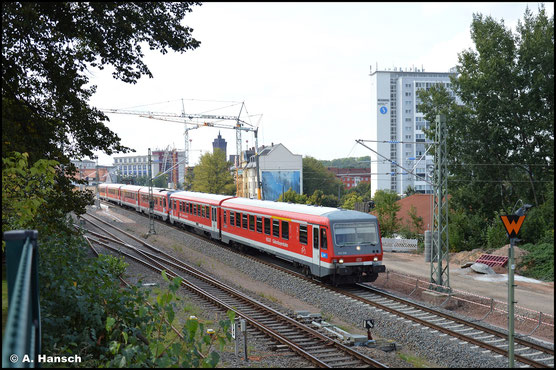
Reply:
x=354, y=252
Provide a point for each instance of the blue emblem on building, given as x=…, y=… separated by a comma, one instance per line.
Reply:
x=383, y=109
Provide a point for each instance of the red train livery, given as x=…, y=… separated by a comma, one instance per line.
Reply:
x=337, y=245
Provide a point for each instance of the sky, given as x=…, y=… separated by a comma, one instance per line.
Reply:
x=298, y=71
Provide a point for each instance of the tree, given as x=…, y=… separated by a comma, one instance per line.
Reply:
x=24, y=190
x=316, y=176
x=291, y=196
x=212, y=175
x=159, y=181
x=47, y=49
x=350, y=200
x=386, y=210
x=501, y=138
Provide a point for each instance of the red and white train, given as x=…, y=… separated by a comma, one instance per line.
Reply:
x=337, y=245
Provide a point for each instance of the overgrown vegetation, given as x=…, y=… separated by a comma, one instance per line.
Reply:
x=111, y=326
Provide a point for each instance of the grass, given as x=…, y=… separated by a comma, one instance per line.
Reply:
x=415, y=361
x=270, y=298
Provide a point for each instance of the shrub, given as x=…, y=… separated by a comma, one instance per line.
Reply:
x=539, y=262
x=105, y=324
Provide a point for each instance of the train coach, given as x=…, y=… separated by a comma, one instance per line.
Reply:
x=110, y=192
x=338, y=245
x=197, y=210
x=335, y=245
x=161, y=201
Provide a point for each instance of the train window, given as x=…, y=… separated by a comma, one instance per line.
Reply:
x=232, y=219
x=251, y=222
x=187, y=207
x=323, y=239
x=276, y=228
x=202, y=211
x=244, y=219
x=303, y=234
x=285, y=230
x=181, y=206
x=194, y=209
x=238, y=219
x=214, y=214
x=259, y=224
x=164, y=204
x=207, y=212
x=224, y=217
x=266, y=226
x=315, y=238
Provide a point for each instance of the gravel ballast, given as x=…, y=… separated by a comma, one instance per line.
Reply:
x=438, y=349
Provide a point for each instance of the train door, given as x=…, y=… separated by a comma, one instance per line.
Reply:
x=214, y=219
x=316, y=251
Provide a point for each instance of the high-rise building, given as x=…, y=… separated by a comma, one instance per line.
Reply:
x=219, y=143
x=397, y=127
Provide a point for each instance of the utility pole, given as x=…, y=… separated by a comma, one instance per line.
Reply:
x=151, y=198
x=97, y=200
x=512, y=224
x=440, y=260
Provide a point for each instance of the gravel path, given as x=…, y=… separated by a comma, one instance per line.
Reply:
x=286, y=293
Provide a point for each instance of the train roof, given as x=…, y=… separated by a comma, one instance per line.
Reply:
x=279, y=206
x=214, y=198
x=132, y=187
x=293, y=210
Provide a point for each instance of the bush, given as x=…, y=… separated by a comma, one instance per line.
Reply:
x=496, y=234
x=107, y=325
x=539, y=262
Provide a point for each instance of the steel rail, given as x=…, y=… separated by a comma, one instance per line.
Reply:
x=202, y=276
x=393, y=311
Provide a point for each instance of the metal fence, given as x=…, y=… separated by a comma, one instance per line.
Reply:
x=21, y=344
x=399, y=245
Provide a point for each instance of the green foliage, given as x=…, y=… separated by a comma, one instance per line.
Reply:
x=351, y=199
x=359, y=162
x=160, y=181
x=318, y=198
x=24, y=190
x=496, y=234
x=467, y=231
x=212, y=175
x=539, y=220
x=318, y=177
x=48, y=50
x=410, y=190
x=386, y=210
x=501, y=139
x=364, y=191
x=110, y=326
x=291, y=196
x=539, y=262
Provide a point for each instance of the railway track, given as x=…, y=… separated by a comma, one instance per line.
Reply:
x=527, y=353
x=306, y=342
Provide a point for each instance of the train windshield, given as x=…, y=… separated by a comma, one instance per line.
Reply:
x=355, y=234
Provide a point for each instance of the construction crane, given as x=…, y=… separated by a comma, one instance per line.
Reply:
x=187, y=118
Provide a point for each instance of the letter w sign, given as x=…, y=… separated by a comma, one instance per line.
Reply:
x=512, y=223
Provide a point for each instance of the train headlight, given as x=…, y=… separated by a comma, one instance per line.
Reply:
x=358, y=248
x=341, y=260
x=375, y=259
